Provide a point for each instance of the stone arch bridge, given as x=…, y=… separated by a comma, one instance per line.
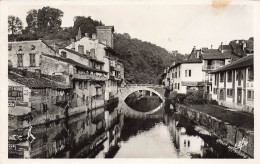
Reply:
x=124, y=92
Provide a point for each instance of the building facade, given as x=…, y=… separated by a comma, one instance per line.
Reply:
x=233, y=84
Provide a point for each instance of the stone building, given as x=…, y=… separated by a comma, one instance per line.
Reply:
x=26, y=54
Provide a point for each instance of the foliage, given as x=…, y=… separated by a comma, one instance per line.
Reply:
x=195, y=98
x=87, y=25
x=143, y=61
x=213, y=102
x=15, y=25
x=179, y=98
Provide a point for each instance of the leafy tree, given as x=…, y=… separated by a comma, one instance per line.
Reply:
x=15, y=25
x=86, y=24
x=49, y=20
x=44, y=21
x=31, y=20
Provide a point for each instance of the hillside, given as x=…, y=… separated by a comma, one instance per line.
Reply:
x=143, y=61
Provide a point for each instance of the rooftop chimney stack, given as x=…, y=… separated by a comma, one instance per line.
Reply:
x=221, y=47
x=81, y=49
x=211, y=46
x=105, y=34
x=73, y=44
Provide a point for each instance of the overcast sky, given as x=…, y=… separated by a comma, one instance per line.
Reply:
x=173, y=27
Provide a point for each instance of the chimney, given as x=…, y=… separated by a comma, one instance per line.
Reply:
x=221, y=47
x=81, y=49
x=79, y=35
x=211, y=46
x=38, y=73
x=244, y=44
x=94, y=36
x=105, y=33
x=86, y=35
x=73, y=44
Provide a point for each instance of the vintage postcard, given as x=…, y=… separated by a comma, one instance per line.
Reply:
x=129, y=80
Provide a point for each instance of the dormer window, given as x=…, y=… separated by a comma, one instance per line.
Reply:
x=20, y=48
x=9, y=47
x=63, y=54
x=32, y=47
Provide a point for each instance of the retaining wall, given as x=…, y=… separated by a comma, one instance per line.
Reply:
x=229, y=134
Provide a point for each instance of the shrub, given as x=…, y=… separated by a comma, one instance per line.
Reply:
x=213, y=102
x=195, y=98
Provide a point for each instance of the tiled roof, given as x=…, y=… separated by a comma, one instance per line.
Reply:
x=75, y=52
x=243, y=62
x=219, y=55
x=35, y=82
x=188, y=61
x=225, y=47
x=76, y=64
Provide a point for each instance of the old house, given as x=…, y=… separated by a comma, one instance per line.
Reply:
x=233, y=84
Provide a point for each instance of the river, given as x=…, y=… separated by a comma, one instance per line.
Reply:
x=112, y=135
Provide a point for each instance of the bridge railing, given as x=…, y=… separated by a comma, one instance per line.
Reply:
x=145, y=85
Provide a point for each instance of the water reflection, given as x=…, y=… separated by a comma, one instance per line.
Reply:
x=107, y=134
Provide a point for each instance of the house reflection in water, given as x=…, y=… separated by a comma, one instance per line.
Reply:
x=188, y=144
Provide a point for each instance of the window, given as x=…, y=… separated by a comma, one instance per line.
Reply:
x=251, y=74
x=215, y=81
x=187, y=73
x=229, y=76
x=179, y=73
x=176, y=74
x=32, y=47
x=250, y=95
x=221, y=94
x=32, y=60
x=178, y=86
x=80, y=85
x=86, y=85
x=9, y=47
x=221, y=77
x=63, y=54
x=19, y=60
x=172, y=75
x=230, y=92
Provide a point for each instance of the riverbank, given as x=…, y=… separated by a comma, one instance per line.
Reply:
x=225, y=125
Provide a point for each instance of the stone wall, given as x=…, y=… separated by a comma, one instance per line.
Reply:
x=229, y=134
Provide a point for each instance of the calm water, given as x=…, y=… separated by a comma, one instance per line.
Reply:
x=103, y=134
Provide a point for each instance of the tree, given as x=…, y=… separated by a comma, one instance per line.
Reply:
x=15, y=24
x=87, y=25
x=44, y=21
x=31, y=20
x=49, y=20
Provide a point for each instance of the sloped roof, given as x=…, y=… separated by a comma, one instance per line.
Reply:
x=243, y=62
x=188, y=61
x=75, y=52
x=219, y=55
x=74, y=63
x=35, y=82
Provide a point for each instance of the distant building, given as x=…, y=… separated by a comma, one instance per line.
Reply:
x=99, y=50
x=186, y=76
x=233, y=84
x=26, y=54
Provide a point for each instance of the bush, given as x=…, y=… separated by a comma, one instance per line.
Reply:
x=195, y=98
x=213, y=102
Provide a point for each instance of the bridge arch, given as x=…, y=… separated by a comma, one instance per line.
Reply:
x=126, y=91
x=134, y=89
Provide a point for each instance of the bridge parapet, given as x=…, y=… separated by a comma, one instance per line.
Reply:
x=145, y=85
